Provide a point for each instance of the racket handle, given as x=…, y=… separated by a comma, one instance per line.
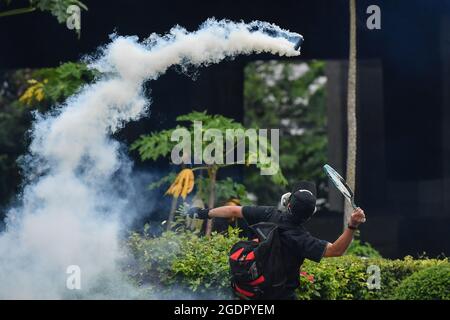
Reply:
x=355, y=207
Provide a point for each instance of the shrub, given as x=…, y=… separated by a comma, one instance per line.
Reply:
x=333, y=278
x=198, y=266
x=346, y=277
x=432, y=283
x=184, y=262
x=203, y=264
x=360, y=249
x=153, y=257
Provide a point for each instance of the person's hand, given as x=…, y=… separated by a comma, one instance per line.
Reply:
x=357, y=218
x=198, y=213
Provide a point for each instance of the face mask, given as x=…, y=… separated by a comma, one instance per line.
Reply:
x=285, y=200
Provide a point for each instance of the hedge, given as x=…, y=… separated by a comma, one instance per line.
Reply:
x=346, y=277
x=186, y=264
x=432, y=283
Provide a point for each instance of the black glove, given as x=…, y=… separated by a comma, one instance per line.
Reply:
x=198, y=213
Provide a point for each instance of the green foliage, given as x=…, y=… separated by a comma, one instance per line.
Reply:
x=200, y=264
x=360, y=249
x=291, y=97
x=432, y=283
x=164, y=181
x=184, y=260
x=203, y=266
x=62, y=82
x=333, y=278
x=216, y=121
x=15, y=118
x=155, y=145
x=155, y=256
x=58, y=8
x=225, y=189
x=159, y=144
x=345, y=277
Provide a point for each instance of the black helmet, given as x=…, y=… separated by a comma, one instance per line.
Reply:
x=302, y=202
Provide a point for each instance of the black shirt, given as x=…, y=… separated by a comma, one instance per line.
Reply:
x=297, y=243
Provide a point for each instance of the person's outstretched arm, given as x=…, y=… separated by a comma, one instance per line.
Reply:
x=339, y=247
x=219, y=212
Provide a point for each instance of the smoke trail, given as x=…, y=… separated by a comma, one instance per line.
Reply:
x=72, y=204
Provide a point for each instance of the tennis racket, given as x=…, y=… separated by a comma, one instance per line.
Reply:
x=340, y=184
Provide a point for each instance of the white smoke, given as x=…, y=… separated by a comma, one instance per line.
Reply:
x=72, y=206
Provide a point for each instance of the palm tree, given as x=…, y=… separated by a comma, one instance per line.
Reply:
x=351, y=111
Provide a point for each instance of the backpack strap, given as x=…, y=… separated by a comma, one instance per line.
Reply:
x=282, y=225
x=271, y=224
x=286, y=226
x=263, y=229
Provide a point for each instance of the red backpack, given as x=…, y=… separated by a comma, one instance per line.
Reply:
x=257, y=270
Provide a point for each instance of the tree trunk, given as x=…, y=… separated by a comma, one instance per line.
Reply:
x=212, y=172
x=196, y=224
x=351, y=112
x=173, y=208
